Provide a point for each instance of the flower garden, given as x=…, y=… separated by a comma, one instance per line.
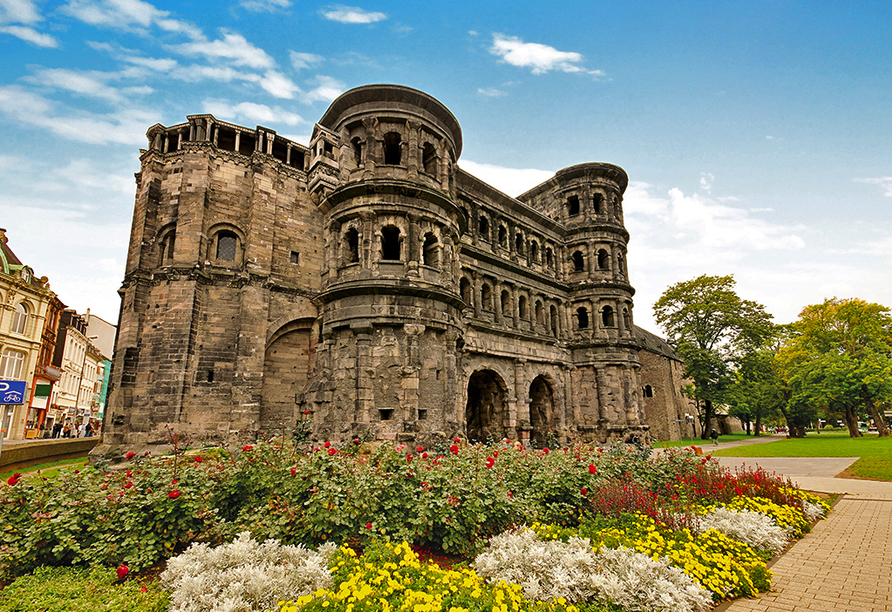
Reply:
x=278, y=526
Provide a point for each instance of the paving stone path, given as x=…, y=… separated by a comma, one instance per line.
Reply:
x=845, y=563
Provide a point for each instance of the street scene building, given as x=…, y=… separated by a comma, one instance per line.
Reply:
x=365, y=283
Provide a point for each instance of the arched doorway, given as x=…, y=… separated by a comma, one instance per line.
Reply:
x=286, y=368
x=487, y=404
x=542, y=413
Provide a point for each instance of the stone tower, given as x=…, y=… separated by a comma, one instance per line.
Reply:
x=368, y=284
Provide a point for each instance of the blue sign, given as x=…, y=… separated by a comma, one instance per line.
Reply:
x=12, y=391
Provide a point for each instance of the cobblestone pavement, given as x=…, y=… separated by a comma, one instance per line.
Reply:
x=845, y=564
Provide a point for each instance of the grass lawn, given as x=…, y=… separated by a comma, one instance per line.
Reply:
x=48, y=470
x=700, y=442
x=875, y=462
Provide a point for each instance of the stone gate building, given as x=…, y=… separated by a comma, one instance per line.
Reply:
x=366, y=283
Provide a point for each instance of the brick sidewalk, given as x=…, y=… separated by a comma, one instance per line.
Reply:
x=844, y=565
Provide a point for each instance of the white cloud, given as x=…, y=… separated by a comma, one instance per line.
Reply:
x=512, y=181
x=264, y=6
x=127, y=126
x=127, y=15
x=251, y=113
x=884, y=182
x=155, y=64
x=538, y=57
x=351, y=14
x=304, y=60
x=490, y=92
x=233, y=47
x=706, y=181
x=278, y=85
x=326, y=90
x=31, y=35
x=86, y=83
x=19, y=11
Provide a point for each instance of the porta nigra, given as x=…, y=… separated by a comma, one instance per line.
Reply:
x=367, y=284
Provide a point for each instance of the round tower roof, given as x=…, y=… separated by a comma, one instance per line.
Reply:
x=394, y=98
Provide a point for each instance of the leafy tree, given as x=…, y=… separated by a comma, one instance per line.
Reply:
x=841, y=357
x=709, y=326
x=758, y=391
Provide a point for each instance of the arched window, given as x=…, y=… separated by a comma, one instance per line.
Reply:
x=12, y=365
x=518, y=244
x=578, y=262
x=431, y=251
x=390, y=243
x=464, y=287
x=357, y=151
x=429, y=158
x=19, y=319
x=648, y=391
x=165, y=248
x=553, y=317
x=503, y=237
x=603, y=260
x=549, y=257
x=627, y=319
x=582, y=317
x=351, y=245
x=227, y=246
x=540, y=313
x=393, y=153
x=599, y=203
x=522, y=307
x=506, y=304
x=483, y=227
x=486, y=297
x=573, y=206
x=607, y=317
x=534, y=251
x=619, y=264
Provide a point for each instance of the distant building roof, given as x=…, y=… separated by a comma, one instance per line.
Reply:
x=654, y=344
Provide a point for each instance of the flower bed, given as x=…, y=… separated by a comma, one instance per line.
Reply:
x=451, y=499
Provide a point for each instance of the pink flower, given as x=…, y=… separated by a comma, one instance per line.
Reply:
x=173, y=494
x=130, y=455
x=123, y=570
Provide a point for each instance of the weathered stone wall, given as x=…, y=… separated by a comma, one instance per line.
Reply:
x=367, y=284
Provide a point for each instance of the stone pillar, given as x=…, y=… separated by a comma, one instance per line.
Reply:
x=365, y=375
x=238, y=140
x=477, y=282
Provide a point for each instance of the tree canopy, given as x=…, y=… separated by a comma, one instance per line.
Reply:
x=710, y=326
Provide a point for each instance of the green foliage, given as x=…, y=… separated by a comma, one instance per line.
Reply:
x=80, y=590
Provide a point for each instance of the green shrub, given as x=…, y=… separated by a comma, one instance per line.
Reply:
x=50, y=589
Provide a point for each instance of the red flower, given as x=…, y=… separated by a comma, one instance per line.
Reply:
x=490, y=462
x=584, y=491
x=129, y=473
x=454, y=449
x=368, y=525
x=545, y=450
x=332, y=451
x=293, y=471
x=306, y=412
x=456, y=440
x=128, y=484
x=355, y=440
x=423, y=455
x=12, y=481
x=130, y=455
x=592, y=469
x=247, y=447
x=198, y=459
x=408, y=458
x=123, y=570
x=173, y=494
x=327, y=444
x=420, y=449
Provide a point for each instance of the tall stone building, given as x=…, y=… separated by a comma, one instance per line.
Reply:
x=368, y=284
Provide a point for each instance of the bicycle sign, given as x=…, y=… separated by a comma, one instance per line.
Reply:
x=12, y=391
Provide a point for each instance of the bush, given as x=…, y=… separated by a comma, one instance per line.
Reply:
x=80, y=590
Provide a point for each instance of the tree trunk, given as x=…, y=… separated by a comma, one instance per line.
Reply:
x=882, y=430
x=852, y=421
x=708, y=417
x=758, y=427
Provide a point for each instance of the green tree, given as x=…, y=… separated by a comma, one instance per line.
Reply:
x=841, y=357
x=710, y=326
x=758, y=392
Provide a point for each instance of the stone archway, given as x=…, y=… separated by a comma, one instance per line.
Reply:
x=287, y=365
x=542, y=412
x=487, y=406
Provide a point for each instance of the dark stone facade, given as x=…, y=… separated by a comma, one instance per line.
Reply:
x=367, y=283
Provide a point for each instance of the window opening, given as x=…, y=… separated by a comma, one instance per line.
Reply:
x=648, y=391
x=534, y=251
x=503, y=237
x=549, y=257
x=431, y=251
x=573, y=206
x=518, y=244
x=506, y=304
x=227, y=243
x=486, y=297
x=483, y=227
x=582, y=317
x=465, y=288
x=11, y=364
x=429, y=158
x=607, y=316
x=19, y=319
x=392, y=149
x=578, y=261
x=599, y=202
x=390, y=243
x=357, y=151
x=603, y=260
x=540, y=313
x=522, y=307
x=295, y=257
x=553, y=316
x=351, y=243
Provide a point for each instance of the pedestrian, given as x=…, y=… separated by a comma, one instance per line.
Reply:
x=57, y=429
x=88, y=430
x=715, y=437
x=66, y=429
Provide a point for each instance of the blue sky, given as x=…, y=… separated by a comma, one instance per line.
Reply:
x=756, y=134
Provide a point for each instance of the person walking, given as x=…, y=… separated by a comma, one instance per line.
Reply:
x=715, y=437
